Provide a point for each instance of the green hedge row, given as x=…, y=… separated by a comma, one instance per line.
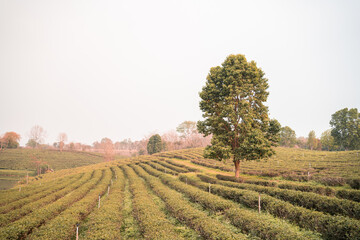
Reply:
x=304, y=199
x=162, y=168
x=9, y=217
x=63, y=226
x=251, y=181
x=331, y=227
x=104, y=223
x=264, y=226
x=11, y=195
x=207, y=164
x=54, y=187
x=190, y=169
x=206, y=226
x=350, y=194
x=152, y=221
x=172, y=167
x=22, y=227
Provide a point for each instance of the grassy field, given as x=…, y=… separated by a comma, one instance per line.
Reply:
x=175, y=195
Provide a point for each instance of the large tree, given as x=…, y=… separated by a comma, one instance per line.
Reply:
x=287, y=137
x=155, y=144
x=345, y=125
x=232, y=102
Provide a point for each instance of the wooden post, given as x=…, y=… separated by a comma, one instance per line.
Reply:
x=108, y=190
x=20, y=189
x=308, y=175
x=116, y=176
x=99, y=202
x=111, y=182
x=77, y=231
x=259, y=203
x=209, y=187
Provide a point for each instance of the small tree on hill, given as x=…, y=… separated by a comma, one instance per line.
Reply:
x=37, y=135
x=287, y=137
x=155, y=144
x=327, y=141
x=311, y=141
x=62, y=139
x=10, y=140
x=232, y=102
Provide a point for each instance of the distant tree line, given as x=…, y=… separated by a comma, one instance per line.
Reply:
x=343, y=135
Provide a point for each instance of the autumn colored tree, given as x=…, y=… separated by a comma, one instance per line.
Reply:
x=108, y=148
x=232, y=102
x=62, y=138
x=287, y=137
x=37, y=135
x=10, y=140
x=155, y=144
x=345, y=125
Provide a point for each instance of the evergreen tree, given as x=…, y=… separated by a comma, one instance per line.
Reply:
x=155, y=144
x=287, y=137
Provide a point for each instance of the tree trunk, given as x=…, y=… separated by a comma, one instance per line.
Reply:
x=237, y=168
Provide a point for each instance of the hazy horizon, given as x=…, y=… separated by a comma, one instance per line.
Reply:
x=125, y=69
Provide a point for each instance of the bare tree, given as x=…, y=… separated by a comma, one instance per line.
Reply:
x=37, y=134
x=62, y=138
x=108, y=147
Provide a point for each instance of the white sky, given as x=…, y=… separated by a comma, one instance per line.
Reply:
x=124, y=69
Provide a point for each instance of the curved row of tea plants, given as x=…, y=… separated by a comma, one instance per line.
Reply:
x=250, y=222
x=208, y=227
x=331, y=227
x=24, y=226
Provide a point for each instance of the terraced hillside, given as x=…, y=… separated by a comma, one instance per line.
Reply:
x=15, y=164
x=168, y=197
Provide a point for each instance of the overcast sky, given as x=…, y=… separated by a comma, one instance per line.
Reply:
x=125, y=69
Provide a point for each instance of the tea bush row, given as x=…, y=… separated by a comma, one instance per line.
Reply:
x=304, y=199
x=250, y=222
x=63, y=226
x=206, y=226
x=22, y=227
x=104, y=222
x=152, y=221
x=30, y=207
x=331, y=227
x=52, y=188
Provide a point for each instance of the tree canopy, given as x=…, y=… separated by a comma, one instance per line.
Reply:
x=287, y=137
x=155, y=144
x=345, y=125
x=232, y=102
x=10, y=140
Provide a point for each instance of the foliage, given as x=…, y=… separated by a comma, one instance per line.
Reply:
x=155, y=144
x=287, y=137
x=311, y=142
x=232, y=104
x=186, y=128
x=345, y=125
x=327, y=140
x=10, y=140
